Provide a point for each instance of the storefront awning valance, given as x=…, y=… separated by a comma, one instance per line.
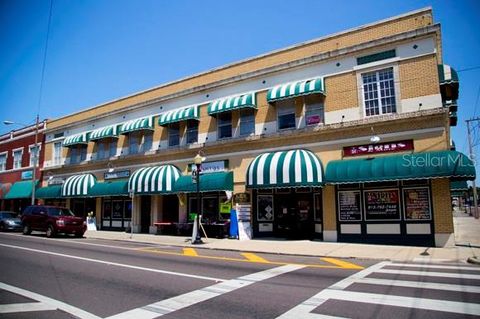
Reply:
x=78, y=185
x=21, y=189
x=144, y=123
x=76, y=139
x=183, y=114
x=289, y=90
x=154, y=180
x=294, y=168
x=104, y=132
x=458, y=186
x=110, y=188
x=449, y=84
x=210, y=182
x=434, y=164
x=54, y=191
x=233, y=103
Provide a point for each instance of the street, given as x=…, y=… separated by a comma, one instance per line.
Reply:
x=91, y=278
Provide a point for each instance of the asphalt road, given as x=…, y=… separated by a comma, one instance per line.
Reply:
x=67, y=277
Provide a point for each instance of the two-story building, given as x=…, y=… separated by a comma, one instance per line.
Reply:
x=341, y=138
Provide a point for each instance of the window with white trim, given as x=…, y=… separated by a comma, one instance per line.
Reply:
x=192, y=131
x=247, y=122
x=3, y=162
x=379, y=92
x=174, y=134
x=17, y=158
x=57, y=153
x=224, y=123
x=78, y=154
x=314, y=110
x=285, y=114
x=33, y=151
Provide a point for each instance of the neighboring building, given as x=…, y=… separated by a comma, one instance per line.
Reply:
x=342, y=138
x=16, y=166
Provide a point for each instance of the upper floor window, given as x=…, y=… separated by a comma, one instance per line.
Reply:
x=78, y=154
x=247, y=122
x=133, y=143
x=57, y=153
x=224, y=122
x=33, y=150
x=285, y=114
x=106, y=148
x=174, y=134
x=3, y=162
x=17, y=158
x=379, y=92
x=147, y=141
x=192, y=131
x=314, y=110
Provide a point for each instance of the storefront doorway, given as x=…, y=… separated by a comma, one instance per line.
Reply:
x=82, y=206
x=116, y=213
x=145, y=213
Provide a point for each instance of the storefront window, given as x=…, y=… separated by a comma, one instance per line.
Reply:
x=417, y=203
x=349, y=206
x=117, y=209
x=382, y=204
x=174, y=134
x=224, y=121
x=107, y=209
x=128, y=209
x=265, y=208
x=209, y=209
x=318, y=212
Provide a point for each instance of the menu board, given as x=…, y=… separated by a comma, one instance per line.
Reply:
x=349, y=206
x=417, y=203
x=382, y=204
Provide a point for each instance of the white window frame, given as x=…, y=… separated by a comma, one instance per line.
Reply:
x=57, y=154
x=144, y=142
x=3, y=165
x=285, y=109
x=21, y=157
x=317, y=106
x=192, y=129
x=30, y=147
x=244, y=122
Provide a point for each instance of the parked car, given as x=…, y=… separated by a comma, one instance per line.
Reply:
x=52, y=220
x=10, y=221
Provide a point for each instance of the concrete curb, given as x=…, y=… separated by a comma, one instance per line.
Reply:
x=474, y=260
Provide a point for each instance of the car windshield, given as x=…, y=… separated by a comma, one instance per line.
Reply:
x=54, y=211
x=8, y=215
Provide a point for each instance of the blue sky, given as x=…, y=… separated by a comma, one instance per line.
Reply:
x=100, y=50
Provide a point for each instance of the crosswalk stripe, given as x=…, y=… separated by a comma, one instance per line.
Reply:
x=26, y=307
x=190, y=252
x=401, y=301
x=428, y=273
x=191, y=298
x=419, y=265
x=254, y=258
x=341, y=263
x=419, y=284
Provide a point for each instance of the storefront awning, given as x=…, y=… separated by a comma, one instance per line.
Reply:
x=294, y=168
x=4, y=188
x=154, y=180
x=21, y=189
x=449, y=83
x=76, y=139
x=178, y=115
x=233, y=103
x=434, y=164
x=289, y=90
x=144, y=123
x=54, y=191
x=104, y=132
x=110, y=188
x=458, y=186
x=210, y=182
x=78, y=185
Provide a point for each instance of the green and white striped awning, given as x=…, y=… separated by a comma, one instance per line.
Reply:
x=153, y=180
x=183, y=114
x=294, y=168
x=144, y=123
x=104, y=132
x=447, y=74
x=289, y=90
x=78, y=185
x=76, y=139
x=233, y=103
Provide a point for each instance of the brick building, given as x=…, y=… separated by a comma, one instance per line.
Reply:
x=342, y=138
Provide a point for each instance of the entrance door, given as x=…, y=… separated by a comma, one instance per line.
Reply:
x=170, y=208
x=294, y=215
x=145, y=207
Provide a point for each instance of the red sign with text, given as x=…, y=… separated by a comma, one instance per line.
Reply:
x=389, y=147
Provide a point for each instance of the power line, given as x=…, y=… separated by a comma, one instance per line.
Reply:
x=44, y=58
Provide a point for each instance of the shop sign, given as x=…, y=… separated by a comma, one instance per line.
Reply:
x=225, y=208
x=382, y=204
x=56, y=181
x=417, y=203
x=116, y=174
x=349, y=206
x=210, y=167
x=244, y=212
x=241, y=198
x=388, y=147
x=27, y=175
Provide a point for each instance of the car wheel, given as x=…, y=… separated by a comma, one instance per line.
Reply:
x=50, y=231
x=27, y=230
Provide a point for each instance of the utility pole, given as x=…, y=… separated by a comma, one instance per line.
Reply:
x=472, y=157
x=35, y=159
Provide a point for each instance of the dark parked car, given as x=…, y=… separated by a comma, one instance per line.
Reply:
x=52, y=220
x=10, y=221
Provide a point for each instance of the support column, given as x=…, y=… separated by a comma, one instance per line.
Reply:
x=68, y=203
x=442, y=211
x=329, y=214
x=155, y=212
x=98, y=212
x=136, y=214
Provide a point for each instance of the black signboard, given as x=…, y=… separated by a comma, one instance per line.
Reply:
x=382, y=204
x=349, y=207
x=417, y=203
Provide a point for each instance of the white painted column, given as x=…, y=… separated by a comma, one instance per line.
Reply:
x=155, y=212
x=136, y=214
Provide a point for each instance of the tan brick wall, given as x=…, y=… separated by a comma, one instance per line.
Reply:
x=435, y=143
x=442, y=205
x=265, y=112
x=419, y=77
x=341, y=92
x=377, y=31
x=48, y=152
x=329, y=208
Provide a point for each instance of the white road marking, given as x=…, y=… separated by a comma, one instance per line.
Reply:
x=435, y=266
x=77, y=312
x=427, y=274
x=419, y=284
x=191, y=298
x=26, y=307
x=115, y=264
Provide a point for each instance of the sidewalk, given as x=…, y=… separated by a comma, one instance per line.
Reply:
x=467, y=232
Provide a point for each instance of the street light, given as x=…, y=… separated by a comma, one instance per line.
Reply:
x=197, y=160
x=35, y=154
